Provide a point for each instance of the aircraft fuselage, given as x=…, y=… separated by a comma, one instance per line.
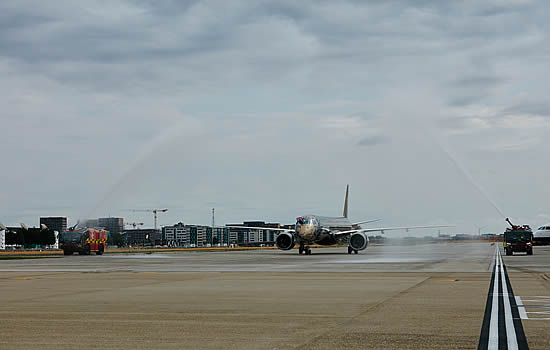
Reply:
x=316, y=229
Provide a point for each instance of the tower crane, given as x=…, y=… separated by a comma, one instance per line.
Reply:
x=154, y=211
x=134, y=224
x=479, y=228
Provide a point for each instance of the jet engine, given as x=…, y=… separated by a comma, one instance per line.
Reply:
x=358, y=241
x=285, y=241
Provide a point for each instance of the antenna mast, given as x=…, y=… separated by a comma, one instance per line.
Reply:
x=213, y=219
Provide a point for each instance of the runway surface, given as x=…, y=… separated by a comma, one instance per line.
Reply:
x=428, y=296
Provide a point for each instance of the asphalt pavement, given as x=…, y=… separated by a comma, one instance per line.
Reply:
x=417, y=296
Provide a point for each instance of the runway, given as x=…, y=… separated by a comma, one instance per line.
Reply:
x=427, y=296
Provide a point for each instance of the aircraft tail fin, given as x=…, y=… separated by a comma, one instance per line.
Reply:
x=346, y=202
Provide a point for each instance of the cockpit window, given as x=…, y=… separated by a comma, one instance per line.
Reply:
x=304, y=221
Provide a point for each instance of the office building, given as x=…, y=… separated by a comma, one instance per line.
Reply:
x=252, y=237
x=90, y=223
x=142, y=236
x=182, y=235
x=56, y=223
x=113, y=225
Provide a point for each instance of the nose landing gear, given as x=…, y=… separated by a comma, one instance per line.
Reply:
x=304, y=249
x=351, y=250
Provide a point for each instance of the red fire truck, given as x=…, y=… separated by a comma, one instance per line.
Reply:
x=84, y=241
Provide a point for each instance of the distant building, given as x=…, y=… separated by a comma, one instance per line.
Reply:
x=182, y=235
x=253, y=237
x=56, y=223
x=142, y=236
x=220, y=235
x=91, y=223
x=174, y=232
x=113, y=225
x=2, y=239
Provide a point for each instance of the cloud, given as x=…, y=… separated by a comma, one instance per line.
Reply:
x=372, y=140
x=243, y=103
x=477, y=82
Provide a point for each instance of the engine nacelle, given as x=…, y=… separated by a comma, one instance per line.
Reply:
x=358, y=241
x=285, y=241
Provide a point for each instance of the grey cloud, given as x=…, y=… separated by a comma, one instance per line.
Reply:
x=503, y=8
x=472, y=89
x=466, y=100
x=373, y=140
x=477, y=82
x=533, y=108
x=248, y=86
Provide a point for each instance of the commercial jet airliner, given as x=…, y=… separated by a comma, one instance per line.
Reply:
x=324, y=230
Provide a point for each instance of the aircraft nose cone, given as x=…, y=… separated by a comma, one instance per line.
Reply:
x=307, y=231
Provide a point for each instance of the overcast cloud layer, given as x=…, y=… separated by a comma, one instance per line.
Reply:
x=267, y=109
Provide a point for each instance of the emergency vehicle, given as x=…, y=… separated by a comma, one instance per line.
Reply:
x=84, y=241
x=518, y=239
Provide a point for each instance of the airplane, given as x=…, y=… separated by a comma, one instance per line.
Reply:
x=542, y=235
x=324, y=230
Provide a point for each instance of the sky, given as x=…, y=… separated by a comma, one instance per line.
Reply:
x=434, y=112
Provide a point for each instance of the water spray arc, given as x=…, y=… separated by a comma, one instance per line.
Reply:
x=463, y=171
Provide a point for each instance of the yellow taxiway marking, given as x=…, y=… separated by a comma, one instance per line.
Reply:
x=149, y=272
x=20, y=278
x=446, y=280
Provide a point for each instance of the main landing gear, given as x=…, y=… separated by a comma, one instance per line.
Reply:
x=304, y=249
x=351, y=250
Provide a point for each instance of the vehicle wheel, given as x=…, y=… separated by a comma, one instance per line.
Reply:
x=87, y=250
x=67, y=252
x=100, y=251
x=349, y=250
x=308, y=251
x=508, y=251
x=530, y=252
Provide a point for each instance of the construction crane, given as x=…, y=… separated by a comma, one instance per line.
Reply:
x=154, y=211
x=479, y=228
x=134, y=224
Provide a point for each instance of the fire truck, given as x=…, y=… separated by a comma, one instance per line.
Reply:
x=518, y=239
x=84, y=241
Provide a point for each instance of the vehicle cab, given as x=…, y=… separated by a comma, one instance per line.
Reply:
x=518, y=239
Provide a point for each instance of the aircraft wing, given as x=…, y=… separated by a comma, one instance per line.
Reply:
x=366, y=222
x=263, y=228
x=382, y=229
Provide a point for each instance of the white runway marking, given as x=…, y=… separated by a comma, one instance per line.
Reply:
x=521, y=309
x=493, y=328
x=501, y=329
x=538, y=302
x=510, y=329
